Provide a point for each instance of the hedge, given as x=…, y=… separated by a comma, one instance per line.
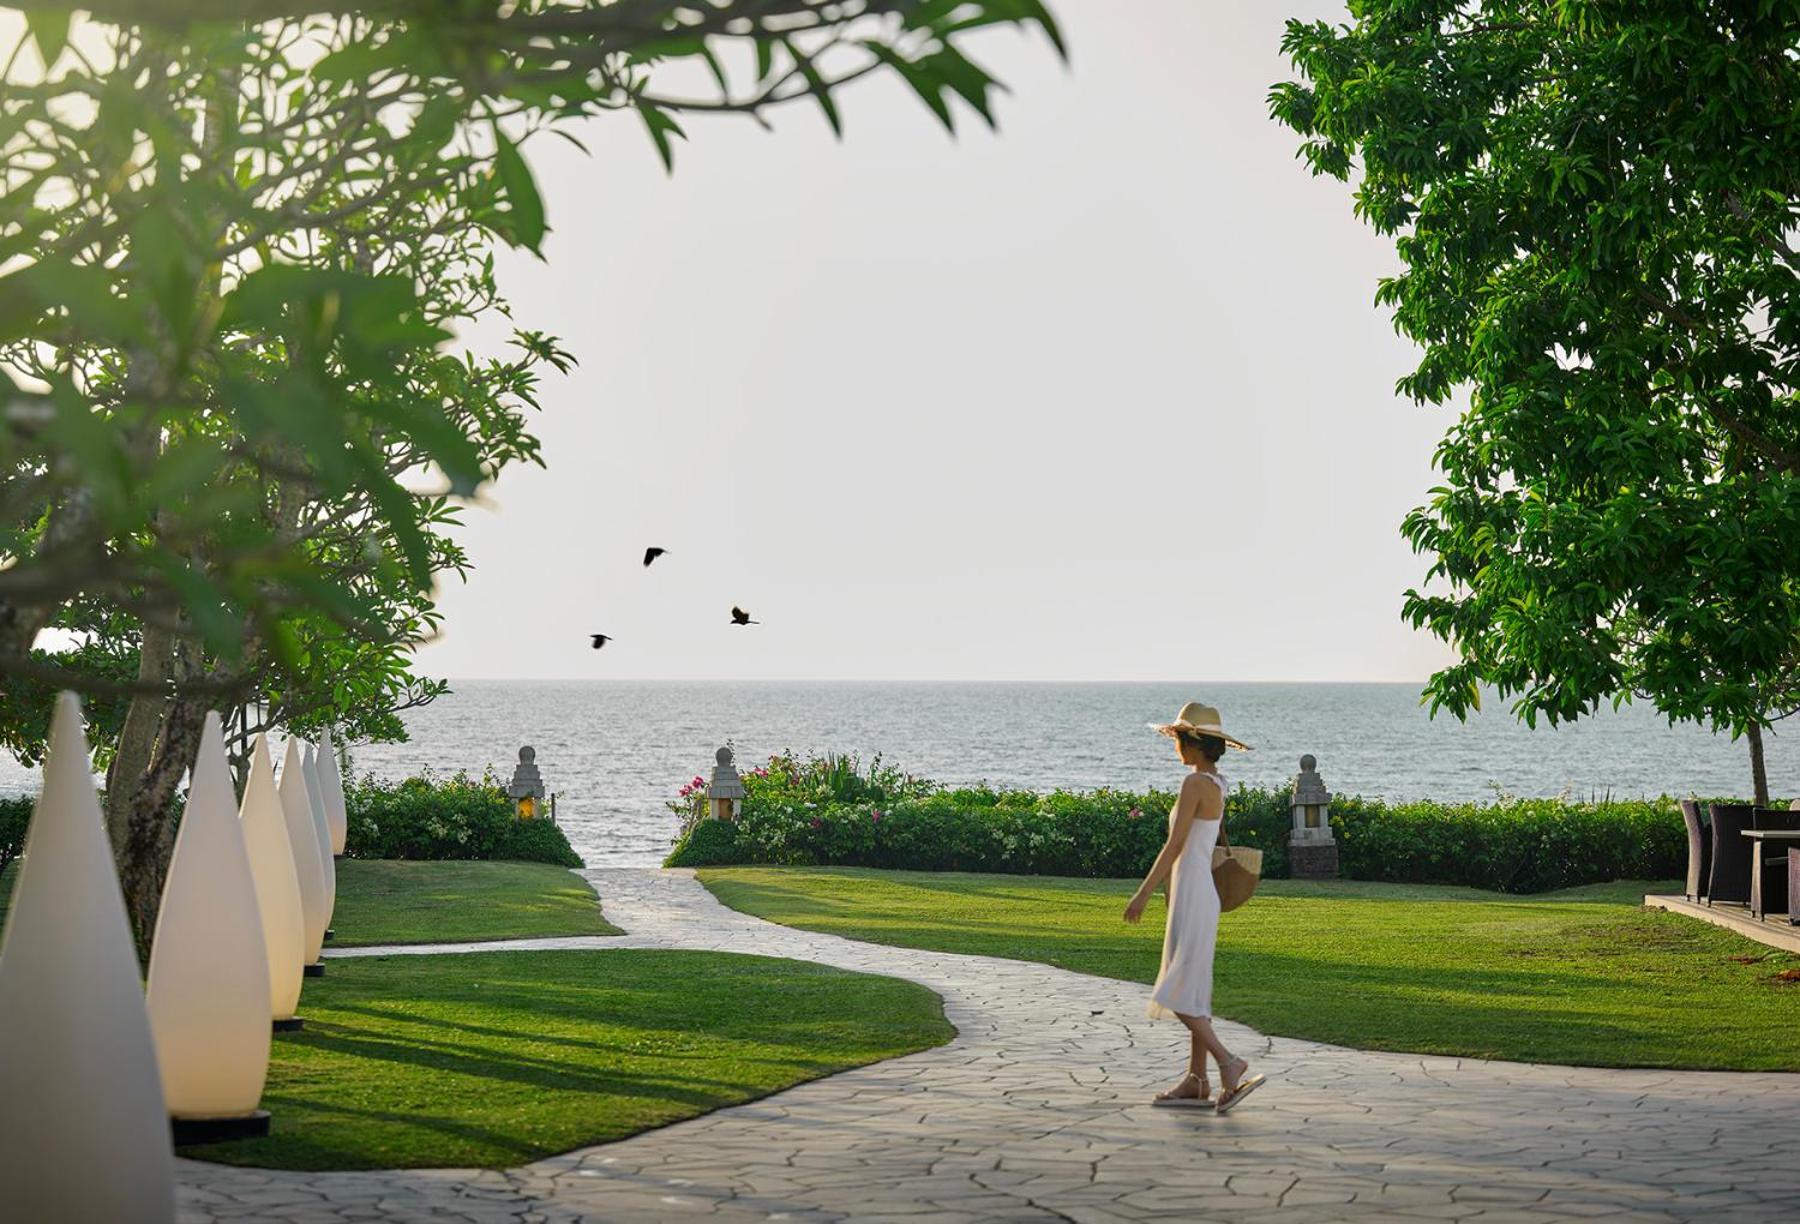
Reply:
x=455, y=818
x=790, y=816
x=15, y=816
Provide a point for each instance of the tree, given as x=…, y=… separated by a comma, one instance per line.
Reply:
x=232, y=438
x=1596, y=209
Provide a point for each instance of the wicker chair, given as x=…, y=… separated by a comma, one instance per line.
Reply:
x=1732, y=858
x=1777, y=879
x=1699, y=850
x=1794, y=884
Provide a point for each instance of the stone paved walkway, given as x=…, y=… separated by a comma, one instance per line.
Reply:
x=1037, y=1112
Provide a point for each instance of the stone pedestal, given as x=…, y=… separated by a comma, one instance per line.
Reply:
x=1313, y=860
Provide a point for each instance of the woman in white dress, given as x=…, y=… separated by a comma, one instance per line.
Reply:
x=1184, y=987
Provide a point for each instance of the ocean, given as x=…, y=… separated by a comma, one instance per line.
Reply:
x=615, y=751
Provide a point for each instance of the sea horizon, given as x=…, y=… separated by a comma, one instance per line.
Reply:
x=614, y=749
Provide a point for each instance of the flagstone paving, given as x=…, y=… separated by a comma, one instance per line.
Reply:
x=1038, y=1111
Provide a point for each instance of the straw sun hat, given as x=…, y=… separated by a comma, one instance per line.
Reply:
x=1199, y=720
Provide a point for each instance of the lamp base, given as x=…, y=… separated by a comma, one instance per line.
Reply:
x=187, y=1131
x=316, y=969
x=293, y=1024
x=1313, y=860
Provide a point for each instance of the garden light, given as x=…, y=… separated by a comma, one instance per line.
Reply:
x=527, y=786
x=209, y=969
x=83, y=1131
x=726, y=790
x=315, y=795
x=1312, y=849
x=277, y=886
x=303, y=837
x=333, y=780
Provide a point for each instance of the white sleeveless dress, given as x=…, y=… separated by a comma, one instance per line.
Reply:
x=1185, y=983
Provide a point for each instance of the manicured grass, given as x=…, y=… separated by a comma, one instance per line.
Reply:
x=390, y=901
x=1585, y=976
x=495, y=1058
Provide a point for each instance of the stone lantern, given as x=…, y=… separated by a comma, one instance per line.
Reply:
x=1312, y=850
x=527, y=786
x=726, y=790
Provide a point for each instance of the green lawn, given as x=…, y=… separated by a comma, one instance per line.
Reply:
x=492, y=1059
x=390, y=901
x=1585, y=976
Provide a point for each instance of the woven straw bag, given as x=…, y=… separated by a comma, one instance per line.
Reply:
x=1235, y=872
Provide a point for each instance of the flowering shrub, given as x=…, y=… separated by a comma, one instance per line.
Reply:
x=689, y=804
x=456, y=818
x=826, y=812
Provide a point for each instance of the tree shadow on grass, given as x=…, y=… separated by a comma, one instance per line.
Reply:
x=1569, y=1017
x=487, y=1063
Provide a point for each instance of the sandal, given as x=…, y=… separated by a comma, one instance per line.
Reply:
x=1170, y=1100
x=1229, y=1098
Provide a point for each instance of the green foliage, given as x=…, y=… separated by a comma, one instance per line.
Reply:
x=1514, y=846
x=709, y=842
x=535, y=841
x=817, y=813
x=1594, y=206
x=15, y=819
x=233, y=250
x=457, y=818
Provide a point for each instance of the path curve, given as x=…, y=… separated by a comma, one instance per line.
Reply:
x=1036, y=1111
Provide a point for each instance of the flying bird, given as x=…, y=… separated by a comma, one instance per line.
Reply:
x=651, y=554
x=600, y=639
x=741, y=617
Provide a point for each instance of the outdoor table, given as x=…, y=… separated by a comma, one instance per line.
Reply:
x=1789, y=836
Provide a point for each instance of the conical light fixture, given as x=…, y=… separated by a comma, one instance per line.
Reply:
x=83, y=1131
x=277, y=884
x=209, y=966
x=303, y=837
x=309, y=769
x=335, y=812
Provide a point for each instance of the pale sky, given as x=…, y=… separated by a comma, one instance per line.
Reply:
x=1101, y=396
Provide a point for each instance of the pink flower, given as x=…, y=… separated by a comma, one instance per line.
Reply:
x=875, y=816
x=1135, y=814
x=817, y=823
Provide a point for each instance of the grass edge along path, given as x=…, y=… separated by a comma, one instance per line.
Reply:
x=409, y=901
x=404, y=901
x=1586, y=976
x=494, y=1059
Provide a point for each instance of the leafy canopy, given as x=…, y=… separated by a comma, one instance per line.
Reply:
x=1596, y=208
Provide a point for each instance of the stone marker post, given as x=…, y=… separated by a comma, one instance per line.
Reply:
x=1312, y=850
x=527, y=787
x=726, y=790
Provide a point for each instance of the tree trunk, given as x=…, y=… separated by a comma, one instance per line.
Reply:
x=156, y=745
x=1759, y=774
x=151, y=821
x=139, y=733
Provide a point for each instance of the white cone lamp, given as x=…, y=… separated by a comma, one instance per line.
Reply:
x=333, y=781
x=303, y=837
x=83, y=1131
x=315, y=794
x=277, y=885
x=209, y=968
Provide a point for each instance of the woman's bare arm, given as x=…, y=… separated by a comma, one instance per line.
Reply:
x=1199, y=800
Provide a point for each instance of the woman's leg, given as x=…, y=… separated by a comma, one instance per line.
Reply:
x=1206, y=1041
